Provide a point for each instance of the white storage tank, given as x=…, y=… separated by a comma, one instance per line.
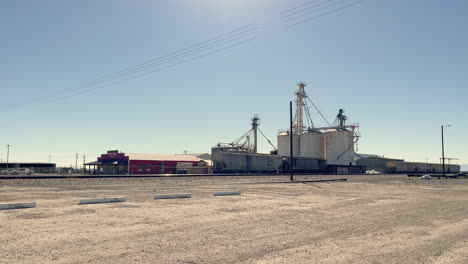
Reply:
x=284, y=147
x=340, y=147
x=312, y=145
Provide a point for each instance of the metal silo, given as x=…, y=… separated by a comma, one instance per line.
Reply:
x=283, y=145
x=312, y=145
x=340, y=147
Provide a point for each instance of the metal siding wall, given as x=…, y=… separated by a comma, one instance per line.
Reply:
x=337, y=143
x=410, y=167
x=251, y=162
x=307, y=164
x=312, y=145
x=283, y=145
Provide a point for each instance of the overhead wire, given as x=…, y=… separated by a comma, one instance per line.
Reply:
x=140, y=75
x=144, y=67
x=307, y=8
x=168, y=56
x=198, y=48
x=331, y=3
x=297, y=7
x=184, y=55
x=165, y=61
x=324, y=14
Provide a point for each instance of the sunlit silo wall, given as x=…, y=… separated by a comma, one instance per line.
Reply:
x=284, y=147
x=339, y=147
x=312, y=145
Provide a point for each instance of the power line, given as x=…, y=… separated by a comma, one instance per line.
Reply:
x=184, y=55
x=219, y=41
x=329, y=12
x=174, y=58
x=244, y=31
x=178, y=63
x=307, y=8
x=171, y=59
x=163, y=57
x=140, y=75
x=297, y=7
x=314, y=10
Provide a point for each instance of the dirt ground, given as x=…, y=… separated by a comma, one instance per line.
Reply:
x=368, y=219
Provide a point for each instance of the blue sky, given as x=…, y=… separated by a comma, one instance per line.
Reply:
x=399, y=68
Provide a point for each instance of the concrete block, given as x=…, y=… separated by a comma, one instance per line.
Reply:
x=172, y=196
x=17, y=206
x=103, y=200
x=226, y=193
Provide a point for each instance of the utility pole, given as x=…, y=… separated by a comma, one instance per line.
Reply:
x=8, y=155
x=443, y=154
x=84, y=162
x=427, y=165
x=291, y=140
x=50, y=159
x=76, y=162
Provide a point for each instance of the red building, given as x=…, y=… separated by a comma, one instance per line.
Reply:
x=114, y=162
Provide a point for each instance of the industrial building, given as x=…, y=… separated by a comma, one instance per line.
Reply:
x=119, y=163
x=375, y=162
x=389, y=165
x=315, y=149
x=420, y=167
x=34, y=167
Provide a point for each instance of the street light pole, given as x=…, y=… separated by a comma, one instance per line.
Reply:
x=8, y=155
x=76, y=162
x=291, y=141
x=443, y=152
x=443, y=157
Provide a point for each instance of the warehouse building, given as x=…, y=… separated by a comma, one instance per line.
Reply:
x=374, y=162
x=115, y=162
x=34, y=167
x=389, y=165
x=421, y=167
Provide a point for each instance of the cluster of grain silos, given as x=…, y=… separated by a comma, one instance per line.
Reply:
x=336, y=147
x=334, y=144
x=315, y=149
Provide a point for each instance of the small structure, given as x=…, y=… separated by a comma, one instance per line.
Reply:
x=119, y=163
x=34, y=167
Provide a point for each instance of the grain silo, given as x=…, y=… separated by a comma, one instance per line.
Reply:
x=335, y=143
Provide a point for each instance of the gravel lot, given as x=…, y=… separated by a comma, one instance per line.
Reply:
x=368, y=219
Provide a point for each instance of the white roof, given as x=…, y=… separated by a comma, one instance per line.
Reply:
x=163, y=157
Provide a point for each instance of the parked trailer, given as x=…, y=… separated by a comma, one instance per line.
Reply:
x=242, y=162
x=226, y=162
x=420, y=167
